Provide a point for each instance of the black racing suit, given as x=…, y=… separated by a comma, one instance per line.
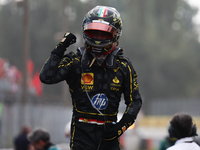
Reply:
x=115, y=77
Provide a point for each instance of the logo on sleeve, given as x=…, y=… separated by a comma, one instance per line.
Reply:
x=88, y=78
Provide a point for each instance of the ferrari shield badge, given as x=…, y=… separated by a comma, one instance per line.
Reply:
x=100, y=101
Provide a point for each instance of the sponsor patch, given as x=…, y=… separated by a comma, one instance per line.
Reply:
x=115, y=80
x=119, y=132
x=123, y=129
x=100, y=101
x=115, y=70
x=88, y=78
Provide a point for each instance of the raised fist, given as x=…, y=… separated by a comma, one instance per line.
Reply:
x=68, y=39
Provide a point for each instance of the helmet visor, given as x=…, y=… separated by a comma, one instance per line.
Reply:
x=100, y=26
x=99, y=34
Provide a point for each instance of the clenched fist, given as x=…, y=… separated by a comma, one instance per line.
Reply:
x=68, y=39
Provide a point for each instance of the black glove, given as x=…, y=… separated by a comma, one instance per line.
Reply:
x=68, y=39
x=113, y=131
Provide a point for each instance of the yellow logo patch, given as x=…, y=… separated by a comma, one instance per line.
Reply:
x=97, y=42
x=85, y=120
x=115, y=80
x=115, y=70
x=119, y=132
x=88, y=78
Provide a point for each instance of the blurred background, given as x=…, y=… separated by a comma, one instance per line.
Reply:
x=160, y=37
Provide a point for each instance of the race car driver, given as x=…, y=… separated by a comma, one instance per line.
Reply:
x=97, y=75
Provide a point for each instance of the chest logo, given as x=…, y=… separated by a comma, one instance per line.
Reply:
x=88, y=78
x=115, y=70
x=115, y=80
x=100, y=101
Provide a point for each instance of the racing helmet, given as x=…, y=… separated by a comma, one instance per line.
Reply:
x=102, y=27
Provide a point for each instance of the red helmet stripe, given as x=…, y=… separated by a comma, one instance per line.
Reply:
x=104, y=13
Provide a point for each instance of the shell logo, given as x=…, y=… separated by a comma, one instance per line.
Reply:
x=88, y=78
